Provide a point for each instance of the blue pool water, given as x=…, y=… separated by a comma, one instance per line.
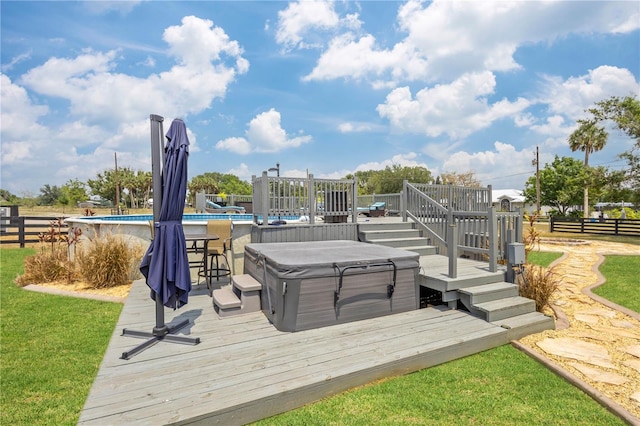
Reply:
x=187, y=217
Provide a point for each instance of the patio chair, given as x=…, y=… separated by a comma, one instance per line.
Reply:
x=218, y=268
x=374, y=210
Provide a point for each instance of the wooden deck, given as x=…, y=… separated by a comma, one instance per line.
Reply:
x=244, y=369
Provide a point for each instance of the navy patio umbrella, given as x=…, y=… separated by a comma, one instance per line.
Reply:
x=166, y=264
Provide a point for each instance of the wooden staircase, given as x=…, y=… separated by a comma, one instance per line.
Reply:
x=483, y=293
x=240, y=297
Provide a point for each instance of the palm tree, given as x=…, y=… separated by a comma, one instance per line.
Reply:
x=588, y=138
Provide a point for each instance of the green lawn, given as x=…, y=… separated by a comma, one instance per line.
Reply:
x=502, y=386
x=543, y=258
x=51, y=349
x=622, y=285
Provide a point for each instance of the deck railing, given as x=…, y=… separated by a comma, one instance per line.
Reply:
x=279, y=197
x=455, y=228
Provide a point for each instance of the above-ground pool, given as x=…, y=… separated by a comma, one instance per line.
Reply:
x=188, y=217
x=185, y=217
x=137, y=227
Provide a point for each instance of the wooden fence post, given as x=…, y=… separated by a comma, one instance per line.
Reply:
x=21, y=235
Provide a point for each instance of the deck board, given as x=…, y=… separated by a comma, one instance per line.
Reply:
x=244, y=369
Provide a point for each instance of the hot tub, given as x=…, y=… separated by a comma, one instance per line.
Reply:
x=320, y=283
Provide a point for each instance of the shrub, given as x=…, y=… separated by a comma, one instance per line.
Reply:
x=52, y=263
x=534, y=281
x=108, y=261
x=531, y=237
x=539, y=284
x=46, y=266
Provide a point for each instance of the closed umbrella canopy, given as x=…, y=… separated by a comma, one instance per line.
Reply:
x=166, y=264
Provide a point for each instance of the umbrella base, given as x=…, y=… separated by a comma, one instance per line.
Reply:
x=164, y=334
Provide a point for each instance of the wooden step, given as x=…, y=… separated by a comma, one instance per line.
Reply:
x=387, y=225
x=246, y=283
x=487, y=292
x=496, y=310
x=399, y=242
x=523, y=325
x=377, y=234
x=422, y=250
x=224, y=298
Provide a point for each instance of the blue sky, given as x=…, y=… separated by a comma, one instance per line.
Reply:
x=327, y=88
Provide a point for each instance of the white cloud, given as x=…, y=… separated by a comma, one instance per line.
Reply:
x=264, y=134
x=242, y=171
x=487, y=164
x=457, y=109
x=572, y=96
x=108, y=110
x=15, y=61
x=445, y=39
x=405, y=160
x=19, y=115
x=236, y=144
x=189, y=87
x=359, y=127
x=299, y=18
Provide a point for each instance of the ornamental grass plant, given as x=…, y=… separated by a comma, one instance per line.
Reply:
x=534, y=281
x=109, y=261
x=101, y=261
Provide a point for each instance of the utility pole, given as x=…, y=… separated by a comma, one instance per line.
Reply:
x=537, y=163
x=115, y=157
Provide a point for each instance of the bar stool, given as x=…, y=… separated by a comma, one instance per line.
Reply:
x=217, y=250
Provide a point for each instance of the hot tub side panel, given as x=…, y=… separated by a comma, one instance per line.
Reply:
x=300, y=297
x=362, y=296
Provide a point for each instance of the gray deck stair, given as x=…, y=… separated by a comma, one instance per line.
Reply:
x=499, y=309
x=241, y=297
x=523, y=325
x=400, y=235
x=483, y=293
x=487, y=292
x=434, y=272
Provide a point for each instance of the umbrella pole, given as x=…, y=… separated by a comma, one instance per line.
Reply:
x=161, y=332
x=157, y=147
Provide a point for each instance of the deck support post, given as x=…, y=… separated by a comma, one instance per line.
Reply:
x=452, y=250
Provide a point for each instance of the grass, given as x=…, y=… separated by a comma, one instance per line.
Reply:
x=622, y=285
x=51, y=349
x=543, y=258
x=502, y=386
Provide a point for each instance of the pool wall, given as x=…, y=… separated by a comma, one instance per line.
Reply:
x=138, y=229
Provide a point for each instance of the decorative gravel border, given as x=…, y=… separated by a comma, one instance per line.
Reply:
x=562, y=322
